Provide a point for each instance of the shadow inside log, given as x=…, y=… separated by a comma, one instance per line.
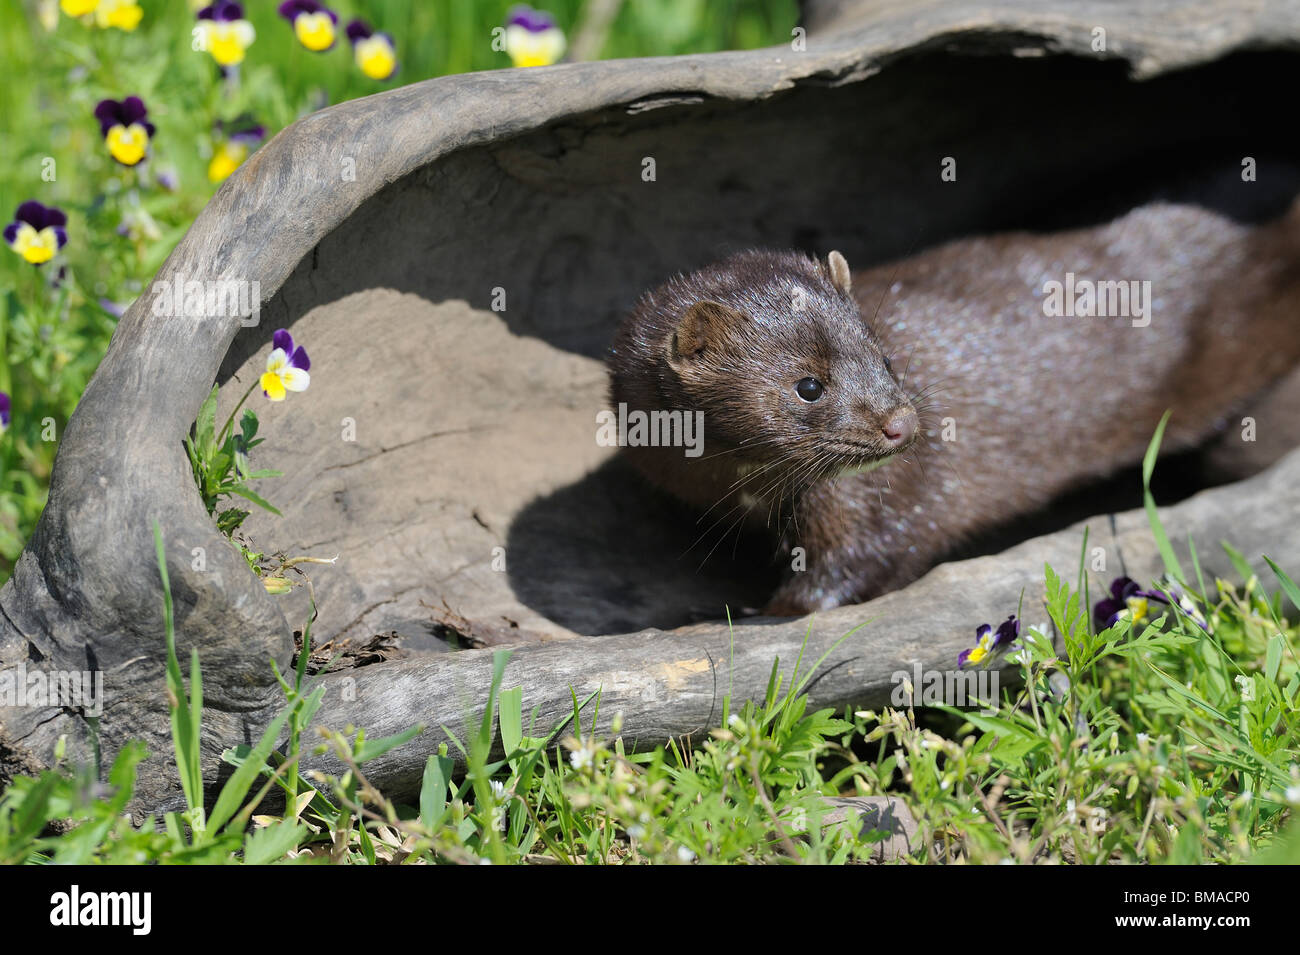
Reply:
x=610, y=554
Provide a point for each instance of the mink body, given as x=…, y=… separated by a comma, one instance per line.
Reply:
x=989, y=409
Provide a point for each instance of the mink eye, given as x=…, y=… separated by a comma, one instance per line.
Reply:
x=809, y=389
x=889, y=366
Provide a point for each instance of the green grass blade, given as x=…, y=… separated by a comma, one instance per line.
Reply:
x=236, y=789
x=433, y=790
x=185, y=729
x=1239, y=562
x=510, y=717
x=1288, y=585
x=1172, y=566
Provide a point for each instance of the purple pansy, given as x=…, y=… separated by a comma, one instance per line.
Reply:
x=292, y=9
x=313, y=23
x=375, y=53
x=37, y=232
x=112, y=113
x=1127, y=599
x=222, y=10
x=989, y=642
x=534, y=21
x=4, y=412
x=243, y=130
x=532, y=37
x=286, y=368
x=125, y=128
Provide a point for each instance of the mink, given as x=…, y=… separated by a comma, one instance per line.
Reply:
x=871, y=422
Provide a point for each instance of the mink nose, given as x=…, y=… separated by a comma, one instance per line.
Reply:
x=900, y=428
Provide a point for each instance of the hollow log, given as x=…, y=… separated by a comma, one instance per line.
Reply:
x=384, y=233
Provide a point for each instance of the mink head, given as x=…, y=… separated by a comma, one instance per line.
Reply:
x=772, y=347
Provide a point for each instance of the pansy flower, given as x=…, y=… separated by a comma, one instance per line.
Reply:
x=532, y=37
x=375, y=52
x=989, y=643
x=1128, y=601
x=226, y=34
x=125, y=128
x=137, y=225
x=233, y=148
x=37, y=232
x=313, y=23
x=4, y=412
x=1179, y=597
x=123, y=14
x=78, y=8
x=168, y=178
x=286, y=368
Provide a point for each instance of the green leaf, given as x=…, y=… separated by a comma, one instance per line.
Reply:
x=1182, y=691
x=1172, y=566
x=264, y=846
x=205, y=424
x=372, y=748
x=1273, y=660
x=1285, y=849
x=510, y=716
x=1238, y=561
x=1288, y=585
x=34, y=812
x=252, y=496
x=1187, y=846
x=433, y=790
x=248, y=425
x=185, y=732
x=228, y=521
x=241, y=781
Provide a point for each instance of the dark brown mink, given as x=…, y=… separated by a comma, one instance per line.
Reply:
x=876, y=446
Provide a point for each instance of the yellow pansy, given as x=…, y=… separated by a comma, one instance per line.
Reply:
x=286, y=368
x=313, y=23
x=125, y=128
x=37, y=232
x=225, y=32
x=374, y=52
x=532, y=37
x=123, y=14
x=228, y=157
x=376, y=58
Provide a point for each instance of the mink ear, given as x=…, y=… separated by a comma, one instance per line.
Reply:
x=840, y=276
x=701, y=326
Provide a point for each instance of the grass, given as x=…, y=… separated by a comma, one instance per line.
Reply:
x=52, y=338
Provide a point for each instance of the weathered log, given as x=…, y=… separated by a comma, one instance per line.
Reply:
x=474, y=426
